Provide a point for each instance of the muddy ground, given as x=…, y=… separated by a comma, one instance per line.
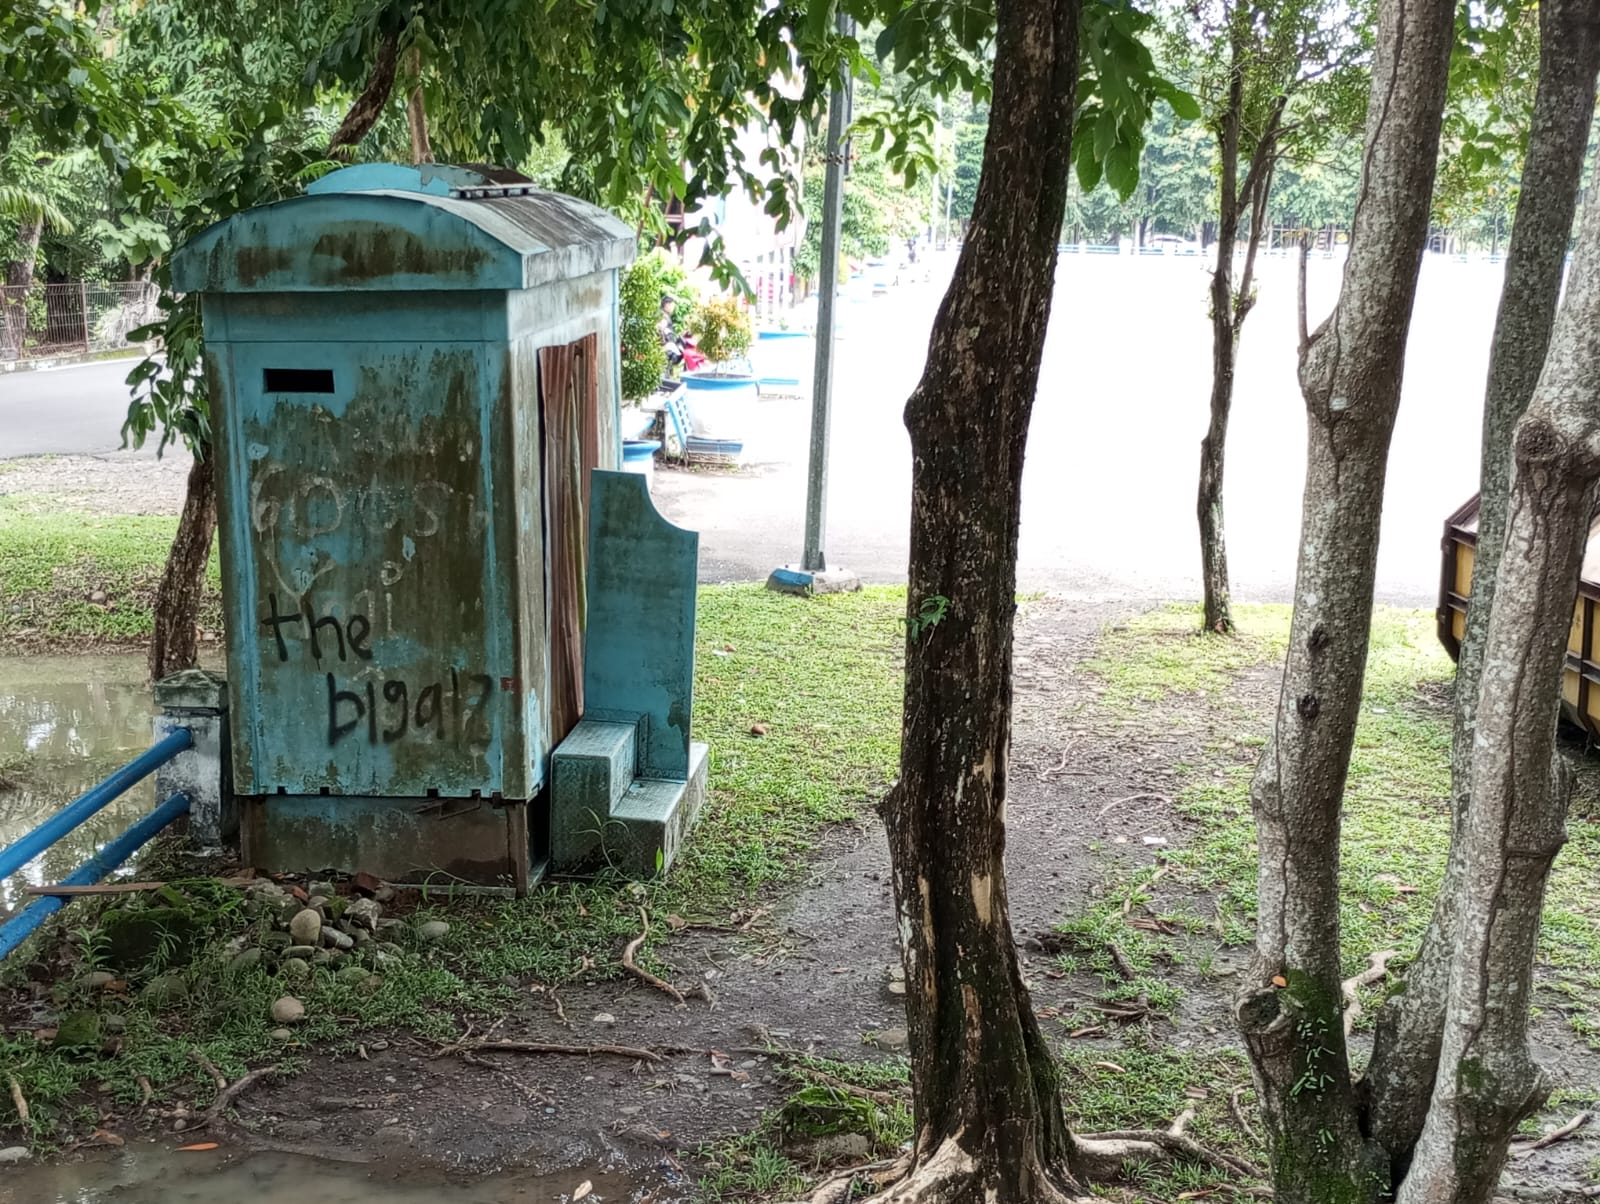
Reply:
x=815, y=973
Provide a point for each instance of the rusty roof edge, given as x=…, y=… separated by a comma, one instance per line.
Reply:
x=594, y=239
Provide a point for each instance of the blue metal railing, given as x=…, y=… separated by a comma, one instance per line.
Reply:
x=26, y=922
x=74, y=815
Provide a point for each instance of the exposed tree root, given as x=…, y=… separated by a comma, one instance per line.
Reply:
x=1102, y=1155
x=205, y=1064
x=471, y=1045
x=1555, y=1135
x=227, y=1094
x=1377, y=967
x=1240, y=1119
x=643, y=975
x=951, y=1173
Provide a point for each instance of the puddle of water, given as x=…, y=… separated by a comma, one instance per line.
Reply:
x=156, y=1175
x=68, y=721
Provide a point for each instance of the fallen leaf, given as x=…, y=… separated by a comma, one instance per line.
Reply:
x=1197, y=1093
x=758, y=729
x=582, y=1190
x=199, y=1145
x=676, y=922
x=727, y=647
x=44, y=1034
x=1111, y=1066
x=1094, y=1030
x=105, y=1137
x=1278, y=980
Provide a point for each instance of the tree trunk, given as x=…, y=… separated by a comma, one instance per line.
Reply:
x=1487, y=1080
x=174, y=641
x=1290, y=1007
x=417, y=113
x=368, y=107
x=1410, y=1028
x=1224, y=351
x=989, y=1119
x=19, y=271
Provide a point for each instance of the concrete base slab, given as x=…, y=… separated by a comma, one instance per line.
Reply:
x=651, y=822
x=791, y=579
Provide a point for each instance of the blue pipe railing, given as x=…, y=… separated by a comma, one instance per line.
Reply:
x=111, y=857
x=75, y=813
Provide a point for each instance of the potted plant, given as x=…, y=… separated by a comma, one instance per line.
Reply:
x=720, y=393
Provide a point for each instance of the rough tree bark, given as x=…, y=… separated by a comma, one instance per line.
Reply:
x=1399, y=1081
x=174, y=642
x=368, y=107
x=1487, y=1080
x=19, y=271
x=1290, y=1007
x=1229, y=308
x=989, y=1119
x=417, y=112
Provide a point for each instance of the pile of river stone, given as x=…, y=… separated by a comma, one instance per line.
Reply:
x=351, y=937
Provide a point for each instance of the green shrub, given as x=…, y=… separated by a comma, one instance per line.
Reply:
x=649, y=278
x=721, y=329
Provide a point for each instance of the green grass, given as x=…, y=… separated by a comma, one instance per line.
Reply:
x=52, y=561
x=1396, y=822
x=778, y=1159
x=821, y=675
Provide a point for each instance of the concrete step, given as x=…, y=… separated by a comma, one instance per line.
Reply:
x=652, y=820
x=590, y=771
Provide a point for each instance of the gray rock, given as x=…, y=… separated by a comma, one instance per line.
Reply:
x=168, y=988
x=351, y=974
x=841, y=1147
x=289, y=907
x=384, y=893
x=893, y=1039
x=288, y=1010
x=281, y=1034
x=97, y=980
x=113, y=1023
x=306, y=927
x=318, y=903
x=303, y=951
x=14, y=1153
x=432, y=930
x=295, y=967
x=604, y=1018
x=389, y=947
x=322, y=957
x=360, y=936
x=335, y=939
x=326, y=889
x=246, y=960
x=364, y=913
x=276, y=940
x=630, y=1110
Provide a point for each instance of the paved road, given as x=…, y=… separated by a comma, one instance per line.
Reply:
x=64, y=411
x=1108, y=493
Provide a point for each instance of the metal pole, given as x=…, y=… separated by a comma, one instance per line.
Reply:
x=837, y=151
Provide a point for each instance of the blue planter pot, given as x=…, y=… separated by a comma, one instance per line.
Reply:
x=639, y=455
x=784, y=358
x=720, y=406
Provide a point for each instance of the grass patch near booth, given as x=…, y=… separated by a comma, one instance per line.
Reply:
x=799, y=700
x=73, y=579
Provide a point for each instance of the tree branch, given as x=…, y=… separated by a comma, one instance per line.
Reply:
x=368, y=107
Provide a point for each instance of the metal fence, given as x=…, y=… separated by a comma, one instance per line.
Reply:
x=49, y=320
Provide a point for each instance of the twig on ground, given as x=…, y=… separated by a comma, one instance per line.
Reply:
x=205, y=1064
x=228, y=1094
x=1377, y=967
x=848, y=1088
x=883, y=1174
x=1555, y=1135
x=146, y=1092
x=1239, y=1117
x=643, y=975
x=1046, y=774
x=756, y=915
x=1120, y=960
x=1127, y=903
x=469, y=1045
x=1132, y=798
x=561, y=1011
x=17, y=1098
